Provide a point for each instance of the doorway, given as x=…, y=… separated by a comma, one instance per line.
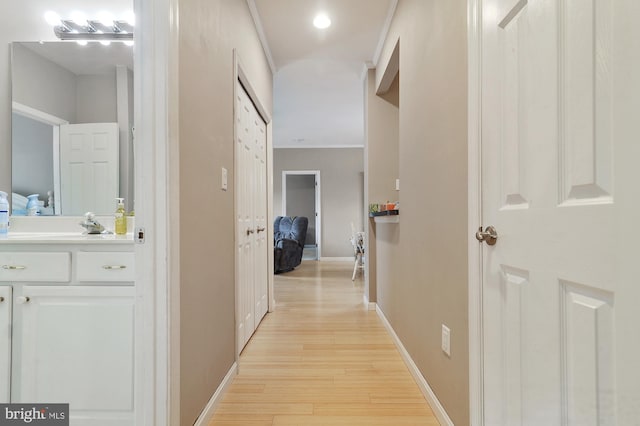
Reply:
x=301, y=197
x=36, y=131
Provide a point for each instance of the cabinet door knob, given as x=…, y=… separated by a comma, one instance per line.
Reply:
x=1, y=299
x=21, y=300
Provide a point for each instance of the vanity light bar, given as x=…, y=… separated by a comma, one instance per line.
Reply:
x=69, y=29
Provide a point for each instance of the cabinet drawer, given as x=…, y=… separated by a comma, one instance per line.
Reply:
x=23, y=266
x=105, y=266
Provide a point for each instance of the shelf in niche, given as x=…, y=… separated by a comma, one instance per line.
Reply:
x=387, y=216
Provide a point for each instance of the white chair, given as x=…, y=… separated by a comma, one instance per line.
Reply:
x=357, y=241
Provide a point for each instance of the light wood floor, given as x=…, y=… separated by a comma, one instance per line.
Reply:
x=322, y=359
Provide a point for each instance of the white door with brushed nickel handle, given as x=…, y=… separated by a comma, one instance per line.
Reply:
x=251, y=218
x=561, y=296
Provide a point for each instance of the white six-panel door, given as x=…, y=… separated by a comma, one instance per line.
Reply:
x=561, y=295
x=251, y=211
x=89, y=168
x=260, y=217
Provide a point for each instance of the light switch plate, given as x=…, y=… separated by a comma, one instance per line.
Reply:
x=397, y=184
x=224, y=179
x=446, y=340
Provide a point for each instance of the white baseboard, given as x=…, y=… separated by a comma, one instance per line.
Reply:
x=426, y=390
x=209, y=410
x=371, y=306
x=337, y=259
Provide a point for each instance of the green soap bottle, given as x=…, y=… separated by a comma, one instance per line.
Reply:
x=121, y=218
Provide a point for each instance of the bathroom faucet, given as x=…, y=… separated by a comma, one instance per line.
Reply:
x=92, y=226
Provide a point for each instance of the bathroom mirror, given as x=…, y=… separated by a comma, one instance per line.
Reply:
x=72, y=126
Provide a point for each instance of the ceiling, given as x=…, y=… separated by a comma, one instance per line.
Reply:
x=318, y=74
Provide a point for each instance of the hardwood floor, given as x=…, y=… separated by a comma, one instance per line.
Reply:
x=322, y=359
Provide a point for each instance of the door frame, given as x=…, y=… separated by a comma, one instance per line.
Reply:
x=239, y=74
x=318, y=207
x=474, y=52
x=156, y=152
x=55, y=123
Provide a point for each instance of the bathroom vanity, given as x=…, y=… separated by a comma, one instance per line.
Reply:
x=67, y=309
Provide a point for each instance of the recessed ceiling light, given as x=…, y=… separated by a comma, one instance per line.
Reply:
x=321, y=21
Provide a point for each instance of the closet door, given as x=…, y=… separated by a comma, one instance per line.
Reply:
x=251, y=213
x=260, y=218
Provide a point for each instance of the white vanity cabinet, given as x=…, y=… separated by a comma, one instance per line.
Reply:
x=70, y=329
x=5, y=343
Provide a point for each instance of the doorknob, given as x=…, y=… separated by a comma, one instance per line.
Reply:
x=260, y=229
x=489, y=236
x=22, y=300
x=249, y=231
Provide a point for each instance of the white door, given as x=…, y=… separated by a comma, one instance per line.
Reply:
x=251, y=211
x=260, y=217
x=89, y=168
x=5, y=343
x=75, y=344
x=560, y=152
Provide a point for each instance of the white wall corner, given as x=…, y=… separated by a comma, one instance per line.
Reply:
x=426, y=390
x=207, y=414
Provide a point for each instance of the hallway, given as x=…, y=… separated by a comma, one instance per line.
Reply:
x=322, y=359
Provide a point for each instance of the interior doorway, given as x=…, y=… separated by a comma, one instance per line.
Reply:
x=301, y=197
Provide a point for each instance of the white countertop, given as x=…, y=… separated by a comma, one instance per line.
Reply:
x=64, y=238
x=61, y=230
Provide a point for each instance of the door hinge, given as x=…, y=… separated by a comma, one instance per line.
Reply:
x=139, y=235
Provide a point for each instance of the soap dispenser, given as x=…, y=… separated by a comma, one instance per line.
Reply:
x=4, y=214
x=33, y=205
x=120, y=218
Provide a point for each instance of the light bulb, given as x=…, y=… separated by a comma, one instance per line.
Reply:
x=105, y=42
x=105, y=18
x=79, y=18
x=129, y=17
x=52, y=18
x=321, y=21
x=82, y=42
x=128, y=43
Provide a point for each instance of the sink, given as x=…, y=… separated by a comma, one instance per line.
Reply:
x=63, y=237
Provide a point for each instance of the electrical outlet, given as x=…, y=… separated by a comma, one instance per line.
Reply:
x=224, y=179
x=446, y=340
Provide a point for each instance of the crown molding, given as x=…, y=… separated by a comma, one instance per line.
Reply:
x=253, y=9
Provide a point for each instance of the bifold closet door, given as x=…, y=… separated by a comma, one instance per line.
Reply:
x=251, y=213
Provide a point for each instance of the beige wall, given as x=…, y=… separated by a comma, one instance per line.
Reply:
x=381, y=159
x=426, y=285
x=342, y=193
x=209, y=30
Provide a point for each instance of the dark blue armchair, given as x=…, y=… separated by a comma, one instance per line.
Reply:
x=289, y=234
